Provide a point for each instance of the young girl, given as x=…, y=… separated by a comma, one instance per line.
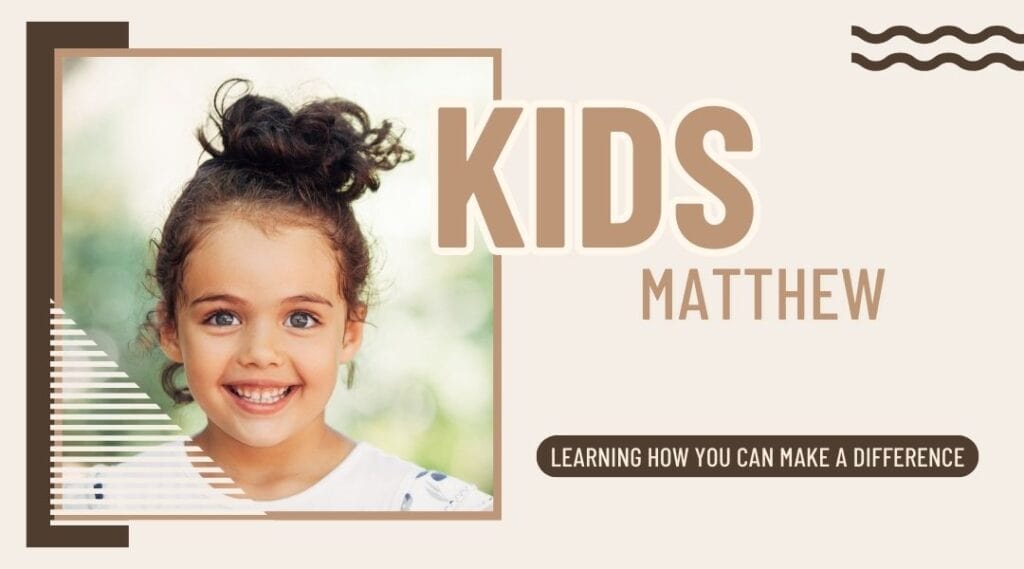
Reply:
x=261, y=268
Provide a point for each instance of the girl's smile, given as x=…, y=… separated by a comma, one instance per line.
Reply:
x=260, y=398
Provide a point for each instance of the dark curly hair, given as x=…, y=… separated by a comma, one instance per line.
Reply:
x=276, y=165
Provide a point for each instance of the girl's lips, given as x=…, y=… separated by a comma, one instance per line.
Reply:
x=261, y=399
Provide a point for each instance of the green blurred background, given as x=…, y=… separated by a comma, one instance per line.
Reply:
x=423, y=387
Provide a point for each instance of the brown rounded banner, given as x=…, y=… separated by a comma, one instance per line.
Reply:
x=754, y=456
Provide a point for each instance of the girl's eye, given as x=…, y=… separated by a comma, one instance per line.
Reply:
x=222, y=319
x=301, y=320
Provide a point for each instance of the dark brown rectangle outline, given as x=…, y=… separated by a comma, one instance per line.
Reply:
x=42, y=38
x=52, y=214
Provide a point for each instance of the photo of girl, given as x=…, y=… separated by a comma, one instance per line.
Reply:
x=262, y=278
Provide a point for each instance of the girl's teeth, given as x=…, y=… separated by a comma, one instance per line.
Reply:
x=263, y=396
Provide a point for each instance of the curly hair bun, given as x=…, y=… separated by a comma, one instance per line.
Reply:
x=328, y=145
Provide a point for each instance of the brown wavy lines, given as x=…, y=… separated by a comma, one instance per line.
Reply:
x=941, y=31
x=952, y=58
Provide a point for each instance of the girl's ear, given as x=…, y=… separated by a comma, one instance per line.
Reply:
x=168, y=334
x=353, y=337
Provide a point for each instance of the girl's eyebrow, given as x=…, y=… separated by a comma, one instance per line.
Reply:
x=309, y=297
x=217, y=297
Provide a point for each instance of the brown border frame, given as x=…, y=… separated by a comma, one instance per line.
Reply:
x=42, y=38
x=54, y=211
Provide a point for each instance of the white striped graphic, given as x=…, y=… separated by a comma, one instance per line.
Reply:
x=58, y=332
x=111, y=427
x=141, y=514
x=81, y=363
x=124, y=417
x=143, y=488
x=69, y=384
x=113, y=451
x=150, y=438
x=123, y=459
x=78, y=353
x=98, y=395
x=200, y=501
x=187, y=470
x=149, y=481
x=104, y=405
x=97, y=374
x=66, y=449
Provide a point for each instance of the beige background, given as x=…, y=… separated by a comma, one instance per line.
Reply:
x=915, y=172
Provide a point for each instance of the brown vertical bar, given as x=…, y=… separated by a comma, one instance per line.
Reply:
x=42, y=39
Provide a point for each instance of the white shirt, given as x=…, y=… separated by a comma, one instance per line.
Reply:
x=164, y=478
x=370, y=479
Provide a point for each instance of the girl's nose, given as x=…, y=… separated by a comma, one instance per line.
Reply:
x=260, y=348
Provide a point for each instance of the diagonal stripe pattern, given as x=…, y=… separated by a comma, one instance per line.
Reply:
x=113, y=451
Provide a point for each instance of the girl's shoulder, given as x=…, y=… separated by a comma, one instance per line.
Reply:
x=414, y=488
x=431, y=490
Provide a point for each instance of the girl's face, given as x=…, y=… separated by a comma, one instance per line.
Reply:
x=261, y=330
